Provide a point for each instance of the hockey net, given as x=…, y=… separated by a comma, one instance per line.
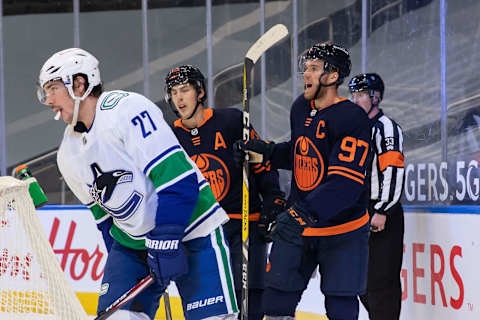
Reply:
x=32, y=284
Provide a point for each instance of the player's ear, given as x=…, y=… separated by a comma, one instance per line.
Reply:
x=79, y=86
x=333, y=76
x=201, y=94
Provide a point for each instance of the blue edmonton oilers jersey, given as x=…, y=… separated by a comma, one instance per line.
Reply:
x=210, y=146
x=328, y=156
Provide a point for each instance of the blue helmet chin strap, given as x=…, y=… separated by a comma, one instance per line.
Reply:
x=373, y=105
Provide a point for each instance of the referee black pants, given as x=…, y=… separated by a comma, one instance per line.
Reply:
x=384, y=292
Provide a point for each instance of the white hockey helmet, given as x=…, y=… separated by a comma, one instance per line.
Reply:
x=64, y=65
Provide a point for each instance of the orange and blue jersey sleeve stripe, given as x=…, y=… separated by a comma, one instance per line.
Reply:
x=347, y=172
x=258, y=168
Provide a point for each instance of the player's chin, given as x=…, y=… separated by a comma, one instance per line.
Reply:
x=67, y=119
x=308, y=94
x=184, y=116
x=183, y=113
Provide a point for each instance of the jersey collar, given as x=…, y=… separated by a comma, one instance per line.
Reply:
x=377, y=116
x=312, y=104
x=208, y=113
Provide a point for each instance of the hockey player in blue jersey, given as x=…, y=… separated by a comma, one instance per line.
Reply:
x=208, y=136
x=153, y=206
x=326, y=223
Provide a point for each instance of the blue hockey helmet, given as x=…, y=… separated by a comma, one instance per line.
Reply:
x=185, y=74
x=370, y=82
x=335, y=58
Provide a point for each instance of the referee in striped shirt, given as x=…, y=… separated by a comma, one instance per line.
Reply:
x=386, y=171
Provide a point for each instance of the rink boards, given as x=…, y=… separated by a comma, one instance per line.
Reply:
x=439, y=273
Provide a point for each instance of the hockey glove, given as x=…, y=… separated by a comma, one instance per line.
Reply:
x=272, y=207
x=166, y=254
x=290, y=224
x=104, y=227
x=261, y=150
x=238, y=153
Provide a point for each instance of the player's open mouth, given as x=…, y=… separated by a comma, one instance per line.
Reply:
x=308, y=85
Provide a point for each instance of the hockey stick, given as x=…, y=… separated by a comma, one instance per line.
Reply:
x=127, y=296
x=266, y=41
x=168, y=308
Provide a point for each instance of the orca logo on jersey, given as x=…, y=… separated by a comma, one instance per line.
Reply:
x=104, y=184
x=215, y=172
x=308, y=166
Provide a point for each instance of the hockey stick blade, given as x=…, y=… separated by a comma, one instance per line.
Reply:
x=267, y=40
x=127, y=296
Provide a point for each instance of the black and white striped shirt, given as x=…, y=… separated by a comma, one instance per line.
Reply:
x=387, y=166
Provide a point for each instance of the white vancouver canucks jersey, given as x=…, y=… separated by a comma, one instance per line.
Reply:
x=126, y=157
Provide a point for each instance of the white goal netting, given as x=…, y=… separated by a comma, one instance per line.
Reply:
x=32, y=284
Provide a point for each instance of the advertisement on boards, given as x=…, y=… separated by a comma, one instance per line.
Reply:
x=439, y=273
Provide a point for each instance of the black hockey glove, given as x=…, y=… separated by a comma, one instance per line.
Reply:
x=272, y=207
x=238, y=153
x=290, y=224
x=263, y=148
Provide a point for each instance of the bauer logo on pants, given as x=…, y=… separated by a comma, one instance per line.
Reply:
x=204, y=302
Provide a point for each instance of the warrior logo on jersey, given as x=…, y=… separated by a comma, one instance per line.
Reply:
x=308, y=167
x=215, y=172
x=103, y=186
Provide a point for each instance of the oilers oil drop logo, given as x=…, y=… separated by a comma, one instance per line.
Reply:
x=309, y=167
x=215, y=172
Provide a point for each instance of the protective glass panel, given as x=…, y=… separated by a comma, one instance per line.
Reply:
x=113, y=34
x=173, y=42
x=403, y=48
x=339, y=22
x=463, y=100
x=30, y=38
x=274, y=110
x=235, y=27
x=32, y=32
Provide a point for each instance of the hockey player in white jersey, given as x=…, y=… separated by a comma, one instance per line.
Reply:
x=155, y=210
